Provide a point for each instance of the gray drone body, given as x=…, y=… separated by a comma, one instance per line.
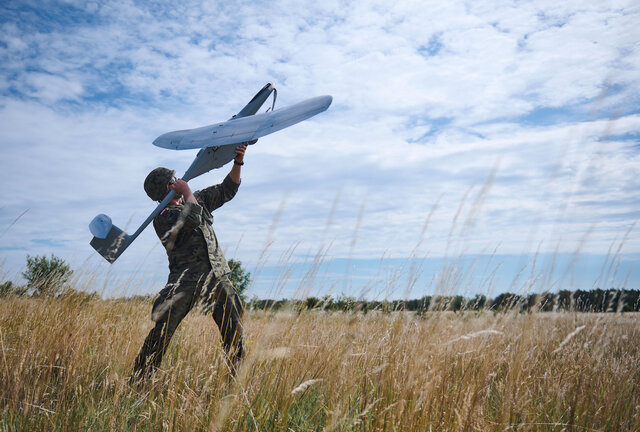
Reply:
x=217, y=145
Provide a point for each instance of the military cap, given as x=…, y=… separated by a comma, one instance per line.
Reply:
x=155, y=185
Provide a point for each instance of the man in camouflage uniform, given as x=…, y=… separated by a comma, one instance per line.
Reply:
x=196, y=263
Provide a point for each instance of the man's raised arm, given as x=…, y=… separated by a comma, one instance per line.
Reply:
x=234, y=174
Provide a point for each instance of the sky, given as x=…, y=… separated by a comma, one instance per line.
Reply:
x=471, y=147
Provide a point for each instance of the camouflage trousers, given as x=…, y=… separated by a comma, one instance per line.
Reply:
x=173, y=304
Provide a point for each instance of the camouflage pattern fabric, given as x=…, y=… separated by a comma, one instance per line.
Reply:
x=173, y=304
x=187, y=234
x=197, y=269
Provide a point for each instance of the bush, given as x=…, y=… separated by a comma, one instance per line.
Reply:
x=311, y=303
x=240, y=278
x=47, y=276
x=8, y=289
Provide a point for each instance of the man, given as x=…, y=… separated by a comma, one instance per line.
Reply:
x=196, y=263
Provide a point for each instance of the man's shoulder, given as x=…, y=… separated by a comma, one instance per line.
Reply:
x=203, y=196
x=208, y=189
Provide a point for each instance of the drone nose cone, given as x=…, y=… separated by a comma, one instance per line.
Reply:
x=163, y=141
x=323, y=102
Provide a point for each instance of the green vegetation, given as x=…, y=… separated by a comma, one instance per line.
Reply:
x=240, y=278
x=47, y=276
x=8, y=288
x=596, y=300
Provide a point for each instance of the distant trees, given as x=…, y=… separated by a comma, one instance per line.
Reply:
x=597, y=300
x=311, y=303
x=505, y=301
x=49, y=277
x=478, y=302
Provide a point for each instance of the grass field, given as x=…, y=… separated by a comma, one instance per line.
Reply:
x=65, y=366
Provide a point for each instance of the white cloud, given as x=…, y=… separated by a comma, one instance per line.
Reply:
x=50, y=88
x=428, y=99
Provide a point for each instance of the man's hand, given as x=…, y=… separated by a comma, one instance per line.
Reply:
x=182, y=188
x=240, y=153
x=234, y=174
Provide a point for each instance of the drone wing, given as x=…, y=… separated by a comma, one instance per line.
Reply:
x=238, y=130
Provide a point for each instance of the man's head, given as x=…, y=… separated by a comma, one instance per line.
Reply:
x=155, y=185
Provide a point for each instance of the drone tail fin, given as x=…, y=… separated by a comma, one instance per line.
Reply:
x=108, y=240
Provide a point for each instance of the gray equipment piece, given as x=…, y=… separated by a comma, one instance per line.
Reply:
x=110, y=241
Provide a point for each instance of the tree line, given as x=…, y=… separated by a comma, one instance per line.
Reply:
x=50, y=276
x=595, y=300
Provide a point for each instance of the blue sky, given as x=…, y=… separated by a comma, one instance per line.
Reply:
x=471, y=146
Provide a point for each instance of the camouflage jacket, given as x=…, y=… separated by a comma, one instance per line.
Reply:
x=186, y=232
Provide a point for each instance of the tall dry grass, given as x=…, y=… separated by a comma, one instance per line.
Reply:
x=65, y=365
x=65, y=362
